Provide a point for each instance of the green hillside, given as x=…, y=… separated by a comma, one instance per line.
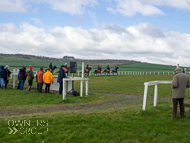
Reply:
x=18, y=60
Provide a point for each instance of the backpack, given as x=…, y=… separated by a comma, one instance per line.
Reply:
x=75, y=93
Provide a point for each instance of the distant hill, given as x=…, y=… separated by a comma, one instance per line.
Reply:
x=37, y=61
x=18, y=60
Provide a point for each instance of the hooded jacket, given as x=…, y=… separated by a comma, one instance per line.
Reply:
x=7, y=73
x=2, y=72
x=61, y=75
x=48, y=77
x=30, y=74
x=22, y=73
x=179, y=84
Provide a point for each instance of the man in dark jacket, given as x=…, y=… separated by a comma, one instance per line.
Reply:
x=61, y=75
x=22, y=77
x=2, y=76
x=179, y=84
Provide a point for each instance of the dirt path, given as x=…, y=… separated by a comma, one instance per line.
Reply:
x=130, y=99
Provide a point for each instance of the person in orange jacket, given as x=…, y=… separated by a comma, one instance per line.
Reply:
x=48, y=79
x=40, y=80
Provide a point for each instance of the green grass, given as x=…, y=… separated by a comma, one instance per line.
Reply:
x=125, y=124
x=132, y=85
x=97, y=117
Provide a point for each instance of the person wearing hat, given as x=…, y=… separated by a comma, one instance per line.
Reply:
x=61, y=75
x=179, y=84
x=40, y=80
x=48, y=79
x=30, y=76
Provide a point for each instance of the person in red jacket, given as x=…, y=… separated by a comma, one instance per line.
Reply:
x=40, y=79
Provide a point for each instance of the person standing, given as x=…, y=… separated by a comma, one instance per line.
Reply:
x=48, y=79
x=22, y=77
x=40, y=80
x=61, y=75
x=179, y=84
x=65, y=65
x=7, y=75
x=2, y=76
x=30, y=76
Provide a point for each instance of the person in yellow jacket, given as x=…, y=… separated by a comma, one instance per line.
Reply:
x=48, y=79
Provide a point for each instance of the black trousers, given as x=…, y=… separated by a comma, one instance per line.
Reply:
x=181, y=104
x=40, y=87
x=47, y=87
x=60, y=87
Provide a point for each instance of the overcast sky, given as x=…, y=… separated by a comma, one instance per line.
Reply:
x=155, y=31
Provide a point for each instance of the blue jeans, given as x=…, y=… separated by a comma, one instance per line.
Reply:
x=21, y=84
x=1, y=81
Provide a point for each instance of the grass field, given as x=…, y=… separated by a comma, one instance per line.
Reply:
x=108, y=114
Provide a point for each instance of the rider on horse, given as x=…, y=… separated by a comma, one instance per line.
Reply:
x=99, y=68
x=87, y=69
x=108, y=67
x=115, y=69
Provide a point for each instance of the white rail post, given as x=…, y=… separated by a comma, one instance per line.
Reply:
x=155, y=94
x=14, y=78
x=64, y=90
x=86, y=87
x=81, y=83
x=145, y=96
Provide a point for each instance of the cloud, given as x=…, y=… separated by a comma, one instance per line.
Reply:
x=8, y=28
x=36, y=20
x=146, y=7
x=77, y=7
x=115, y=28
x=143, y=42
x=132, y=7
x=13, y=6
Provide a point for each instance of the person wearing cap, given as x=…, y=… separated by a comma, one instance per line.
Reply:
x=7, y=75
x=2, y=76
x=22, y=77
x=61, y=75
x=40, y=80
x=30, y=76
x=179, y=84
x=48, y=79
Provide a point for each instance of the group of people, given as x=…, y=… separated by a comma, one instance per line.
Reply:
x=41, y=78
x=4, y=76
